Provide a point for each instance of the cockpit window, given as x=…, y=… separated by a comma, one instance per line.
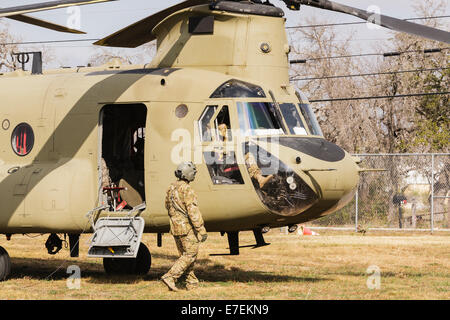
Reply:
x=236, y=89
x=215, y=125
x=258, y=118
x=293, y=119
x=310, y=119
x=221, y=125
x=204, y=123
x=223, y=167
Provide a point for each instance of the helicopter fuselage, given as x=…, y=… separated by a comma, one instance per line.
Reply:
x=217, y=93
x=94, y=149
x=51, y=186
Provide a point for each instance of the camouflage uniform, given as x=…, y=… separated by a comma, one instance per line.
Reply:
x=186, y=226
x=252, y=166
x=254, y=171
x=106, y=180
x=223, y=130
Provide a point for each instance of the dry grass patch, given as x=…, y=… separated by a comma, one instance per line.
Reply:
x=330, y=266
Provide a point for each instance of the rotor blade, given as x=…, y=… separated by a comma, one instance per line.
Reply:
x=50, y=5
x=44, y=24
x=141, y=32
x=379, y=19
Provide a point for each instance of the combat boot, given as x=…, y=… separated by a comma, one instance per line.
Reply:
x=263, y=180
x=191, y=286
x=170, y=283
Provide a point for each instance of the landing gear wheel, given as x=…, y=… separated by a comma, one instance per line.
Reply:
x=5, y=264
x=123, y=266
x=119, y=266
x=143, y=260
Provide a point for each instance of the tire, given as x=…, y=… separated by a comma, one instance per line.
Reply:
x=5, y=264
x=129, y=266
x=119, y=266
x=143, y=260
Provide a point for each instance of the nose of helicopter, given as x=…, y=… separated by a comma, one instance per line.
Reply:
x=306, y=170
x=330, y=170
x=335, y=183
x=331, y=180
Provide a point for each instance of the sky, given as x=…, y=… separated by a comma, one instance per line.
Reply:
x=102, y=19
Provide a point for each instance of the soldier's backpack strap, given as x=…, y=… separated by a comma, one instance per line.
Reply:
x=175, y=203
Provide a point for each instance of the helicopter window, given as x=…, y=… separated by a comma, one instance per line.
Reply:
x=310, y=119
x=221, y=163
x=181, y=111
x=222, y=167
x=237, y=89
x=204, y=123
x=258, y=118
x=201, y=25
x=221, y=125
x=22, y=139
x=293, y=119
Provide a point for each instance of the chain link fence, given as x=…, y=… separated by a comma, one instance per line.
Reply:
x=409, y=192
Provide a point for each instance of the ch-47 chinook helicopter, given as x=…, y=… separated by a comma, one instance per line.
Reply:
x=94, y=149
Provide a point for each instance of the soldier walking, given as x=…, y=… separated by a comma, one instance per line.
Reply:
x=186, y=226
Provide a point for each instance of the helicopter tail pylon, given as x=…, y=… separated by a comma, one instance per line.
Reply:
x=139, y=32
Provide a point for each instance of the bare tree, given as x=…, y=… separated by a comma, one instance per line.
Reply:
x=413, y=123
x=9, y=44
x=141, y=55
x=7, y=62
x=348, y=123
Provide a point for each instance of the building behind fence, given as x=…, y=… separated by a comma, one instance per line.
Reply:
x=411, y=191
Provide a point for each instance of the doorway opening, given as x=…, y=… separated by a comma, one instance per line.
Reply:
x=122, y=146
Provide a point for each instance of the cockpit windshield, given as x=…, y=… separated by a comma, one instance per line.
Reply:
x=310, y=119
x=258, y=118
x=264, y=118
x=308, y=115
x=293, y=119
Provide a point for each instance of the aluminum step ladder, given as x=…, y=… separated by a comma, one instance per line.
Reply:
x=117, y=237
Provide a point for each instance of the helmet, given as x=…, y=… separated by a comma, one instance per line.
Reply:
x=186, y=171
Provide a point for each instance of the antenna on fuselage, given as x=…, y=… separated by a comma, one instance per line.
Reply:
x=24, y=57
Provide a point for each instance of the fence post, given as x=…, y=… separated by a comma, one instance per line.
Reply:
x=432, y=193
x=356, y=208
